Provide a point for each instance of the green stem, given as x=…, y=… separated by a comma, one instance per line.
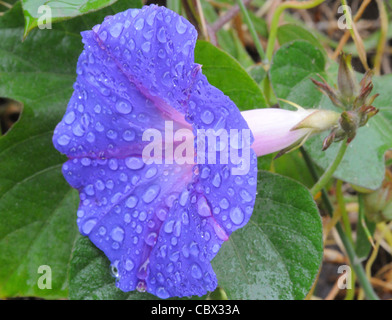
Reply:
x=252, y=29
x=343, y=211
x=383, y=36
x=276, y=17
x=354, y=260
x=324, y=179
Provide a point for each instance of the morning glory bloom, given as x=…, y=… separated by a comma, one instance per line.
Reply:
x=160, y=223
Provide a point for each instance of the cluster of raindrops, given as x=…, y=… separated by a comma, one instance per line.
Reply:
x=160, y=225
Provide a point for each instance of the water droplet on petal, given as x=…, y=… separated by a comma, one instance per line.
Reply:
x=237, y=215
x=207, y=117
x=131, y=202
x=117, y=234
x=216, y=181
x=151, y=172
x=129, y=135
x=123, y=107
x=169, y=226
x=203, y=208
x=116, y=29
x=63, y=140
x=113, y=164
x=139, y=24
x=151, y=193
x=181, y=26
x=161, y=35
x=69, y=117
x=151, y=238
x=245, y=195
x=88, y=226
x=134, y=163
x=103, y=35
x=129, y=265
x=196, y=271
x=162, y=293
x=102, y=230
x=146, y=46
x=184, y=198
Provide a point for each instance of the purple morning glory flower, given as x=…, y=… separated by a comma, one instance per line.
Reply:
x=159, y=223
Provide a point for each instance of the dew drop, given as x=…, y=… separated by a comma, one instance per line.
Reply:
x=181, y=26
x=103, y=35
x=134, y=163
x=131, y=202
x=216, y=181
x=245, y=195
x=207, y=117
x=161, y=35
x=151, y=172
x=162, y=293
x=169, y=226
x=113, y=164
x=111, y=134
x=88, y=226
x=128, y=135
x=205, y=172
x=63, y=140
x=237, y=215
x=146, y=47
x=102, y=231
x=196, y=271
x=116, y=29
x=151, y=193
x=127, y=218
x=69, y=117
x=203, y=208
x=123, y=107
x=129, y=265
x=151, y=239
x=117, y=234
x=184, y=198
x=89, y=190
x=139, y=24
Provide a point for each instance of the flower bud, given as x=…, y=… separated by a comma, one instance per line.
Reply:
x=347, y=83
x=353, y=97
x=285, y=130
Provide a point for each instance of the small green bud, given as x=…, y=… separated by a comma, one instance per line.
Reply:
x=347, y=83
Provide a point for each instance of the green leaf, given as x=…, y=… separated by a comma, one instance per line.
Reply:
x=277, y=255
x=363, y=164
x=291, y=32
x=90, y=277
x=226, y=73
x=37, y=205
x=37, y=12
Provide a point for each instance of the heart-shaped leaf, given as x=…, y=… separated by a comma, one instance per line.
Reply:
x=226, y=73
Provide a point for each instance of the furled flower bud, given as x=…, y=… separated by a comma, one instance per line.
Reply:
x=285, y=130
x=347, y=83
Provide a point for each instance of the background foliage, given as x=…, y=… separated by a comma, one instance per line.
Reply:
x=287, y=249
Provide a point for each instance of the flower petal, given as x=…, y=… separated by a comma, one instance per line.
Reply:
x=160, y=225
